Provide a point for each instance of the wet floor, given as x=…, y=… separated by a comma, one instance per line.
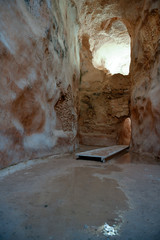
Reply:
x=67, y=199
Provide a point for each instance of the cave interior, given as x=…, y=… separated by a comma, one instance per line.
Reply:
x=77, y=75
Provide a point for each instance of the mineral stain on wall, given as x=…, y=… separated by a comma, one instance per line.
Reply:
x=145, y=98
x=27, y=110
x=39, y=53
x=50, y=92
x=106, y=101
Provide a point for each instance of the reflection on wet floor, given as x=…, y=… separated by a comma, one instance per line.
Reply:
x=67, y=204
x=127, y=156
x=66, y=199
x=136, y=158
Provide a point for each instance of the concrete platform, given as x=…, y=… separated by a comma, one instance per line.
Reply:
x=102, y=153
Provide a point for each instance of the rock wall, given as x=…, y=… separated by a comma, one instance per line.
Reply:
x=104, y=99
x=104, y=103
x=145, y=71
x=39, y=72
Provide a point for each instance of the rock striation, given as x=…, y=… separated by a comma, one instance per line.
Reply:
x=39, y=72
x=73, y=70
x=106, y=102
x=145, y=70
x=104, y=98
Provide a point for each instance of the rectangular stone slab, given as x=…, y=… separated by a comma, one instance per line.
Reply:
x=102, y=153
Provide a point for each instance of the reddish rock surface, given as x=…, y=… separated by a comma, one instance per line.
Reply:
x=145, y=99
x=125, y=132
x=102, y=109
x=39, y=70
x=104, y=98
x=47, y=88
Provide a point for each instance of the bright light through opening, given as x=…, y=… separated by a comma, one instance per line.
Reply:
x=114, y=54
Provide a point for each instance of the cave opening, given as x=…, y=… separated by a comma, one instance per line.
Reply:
x=105, y=84
x=75, y=75
x=113, y=52
x=125, y=133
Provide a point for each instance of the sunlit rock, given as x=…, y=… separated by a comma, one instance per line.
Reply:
x=114, y=54
x=74, y=71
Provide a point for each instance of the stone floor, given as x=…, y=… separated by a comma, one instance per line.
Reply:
x=62, y=198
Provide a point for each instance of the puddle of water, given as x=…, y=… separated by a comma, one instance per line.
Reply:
x=136, y=158
x=61, y=207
